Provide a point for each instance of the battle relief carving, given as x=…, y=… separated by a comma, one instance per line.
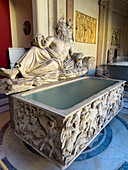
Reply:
x=61, y=139
x=116, y=33
x=49, y=59
x=85, y=30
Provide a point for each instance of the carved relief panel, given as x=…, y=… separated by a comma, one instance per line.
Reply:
x=61, y=139
x=115, y=40
x=85, y=29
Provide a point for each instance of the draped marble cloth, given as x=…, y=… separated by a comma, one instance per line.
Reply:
x=37, y=61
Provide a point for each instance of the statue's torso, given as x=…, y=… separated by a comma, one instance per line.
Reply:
x=61, y=48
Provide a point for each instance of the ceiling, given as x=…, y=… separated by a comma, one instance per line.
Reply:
x=121, y=4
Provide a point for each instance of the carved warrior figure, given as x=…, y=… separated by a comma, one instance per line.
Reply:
x=52, y=54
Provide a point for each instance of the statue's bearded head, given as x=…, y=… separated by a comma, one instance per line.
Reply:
x=64, y=29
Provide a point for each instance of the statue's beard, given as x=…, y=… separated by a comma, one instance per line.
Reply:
x=63, y=36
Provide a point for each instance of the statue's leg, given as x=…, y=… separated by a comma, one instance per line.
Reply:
x=49, y=66
x=34, y=59
x=10, y=73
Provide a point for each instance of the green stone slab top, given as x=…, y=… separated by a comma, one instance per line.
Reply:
x=68, y=95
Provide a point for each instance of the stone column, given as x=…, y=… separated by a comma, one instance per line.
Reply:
x=61, y=9
x=70, y=9
x=107, y=30
x=40, y=16
x=52, y=16
x=70, y=12
x=100, y=32
x=56, y=9
x=125, y=37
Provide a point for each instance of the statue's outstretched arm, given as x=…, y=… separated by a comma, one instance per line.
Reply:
x=71, y=51
x=78, y=56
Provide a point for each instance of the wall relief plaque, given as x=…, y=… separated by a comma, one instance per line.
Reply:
x=115, y=37
x=85, y=29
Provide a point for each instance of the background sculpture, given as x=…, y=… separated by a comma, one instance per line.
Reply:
x=115, y=40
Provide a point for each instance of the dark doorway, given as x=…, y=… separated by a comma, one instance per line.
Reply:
x=115, y=53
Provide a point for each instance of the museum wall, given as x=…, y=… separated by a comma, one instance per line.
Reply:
x=115, y=30
x=21, y=11
x=119, y=22
x=119, y=30
x=91, y=9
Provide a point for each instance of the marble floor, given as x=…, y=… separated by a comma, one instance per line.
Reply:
x=109, y=151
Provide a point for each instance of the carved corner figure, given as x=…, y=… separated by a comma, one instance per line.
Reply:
x=53, y=55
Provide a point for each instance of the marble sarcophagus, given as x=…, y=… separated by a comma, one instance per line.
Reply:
x=59, y=121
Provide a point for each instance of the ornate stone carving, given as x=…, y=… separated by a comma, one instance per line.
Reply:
x=49, y=60
x=115, y=40
x=10, y=86
x=85, y=28
x=82, y=127
x=62, y=138
x=38, y=128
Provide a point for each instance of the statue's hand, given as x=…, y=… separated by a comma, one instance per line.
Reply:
x=78, y=56
x=39, y=41
x=79, y=59
x=79, y=63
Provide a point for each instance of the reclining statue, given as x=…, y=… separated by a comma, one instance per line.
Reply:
x=52, y=54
